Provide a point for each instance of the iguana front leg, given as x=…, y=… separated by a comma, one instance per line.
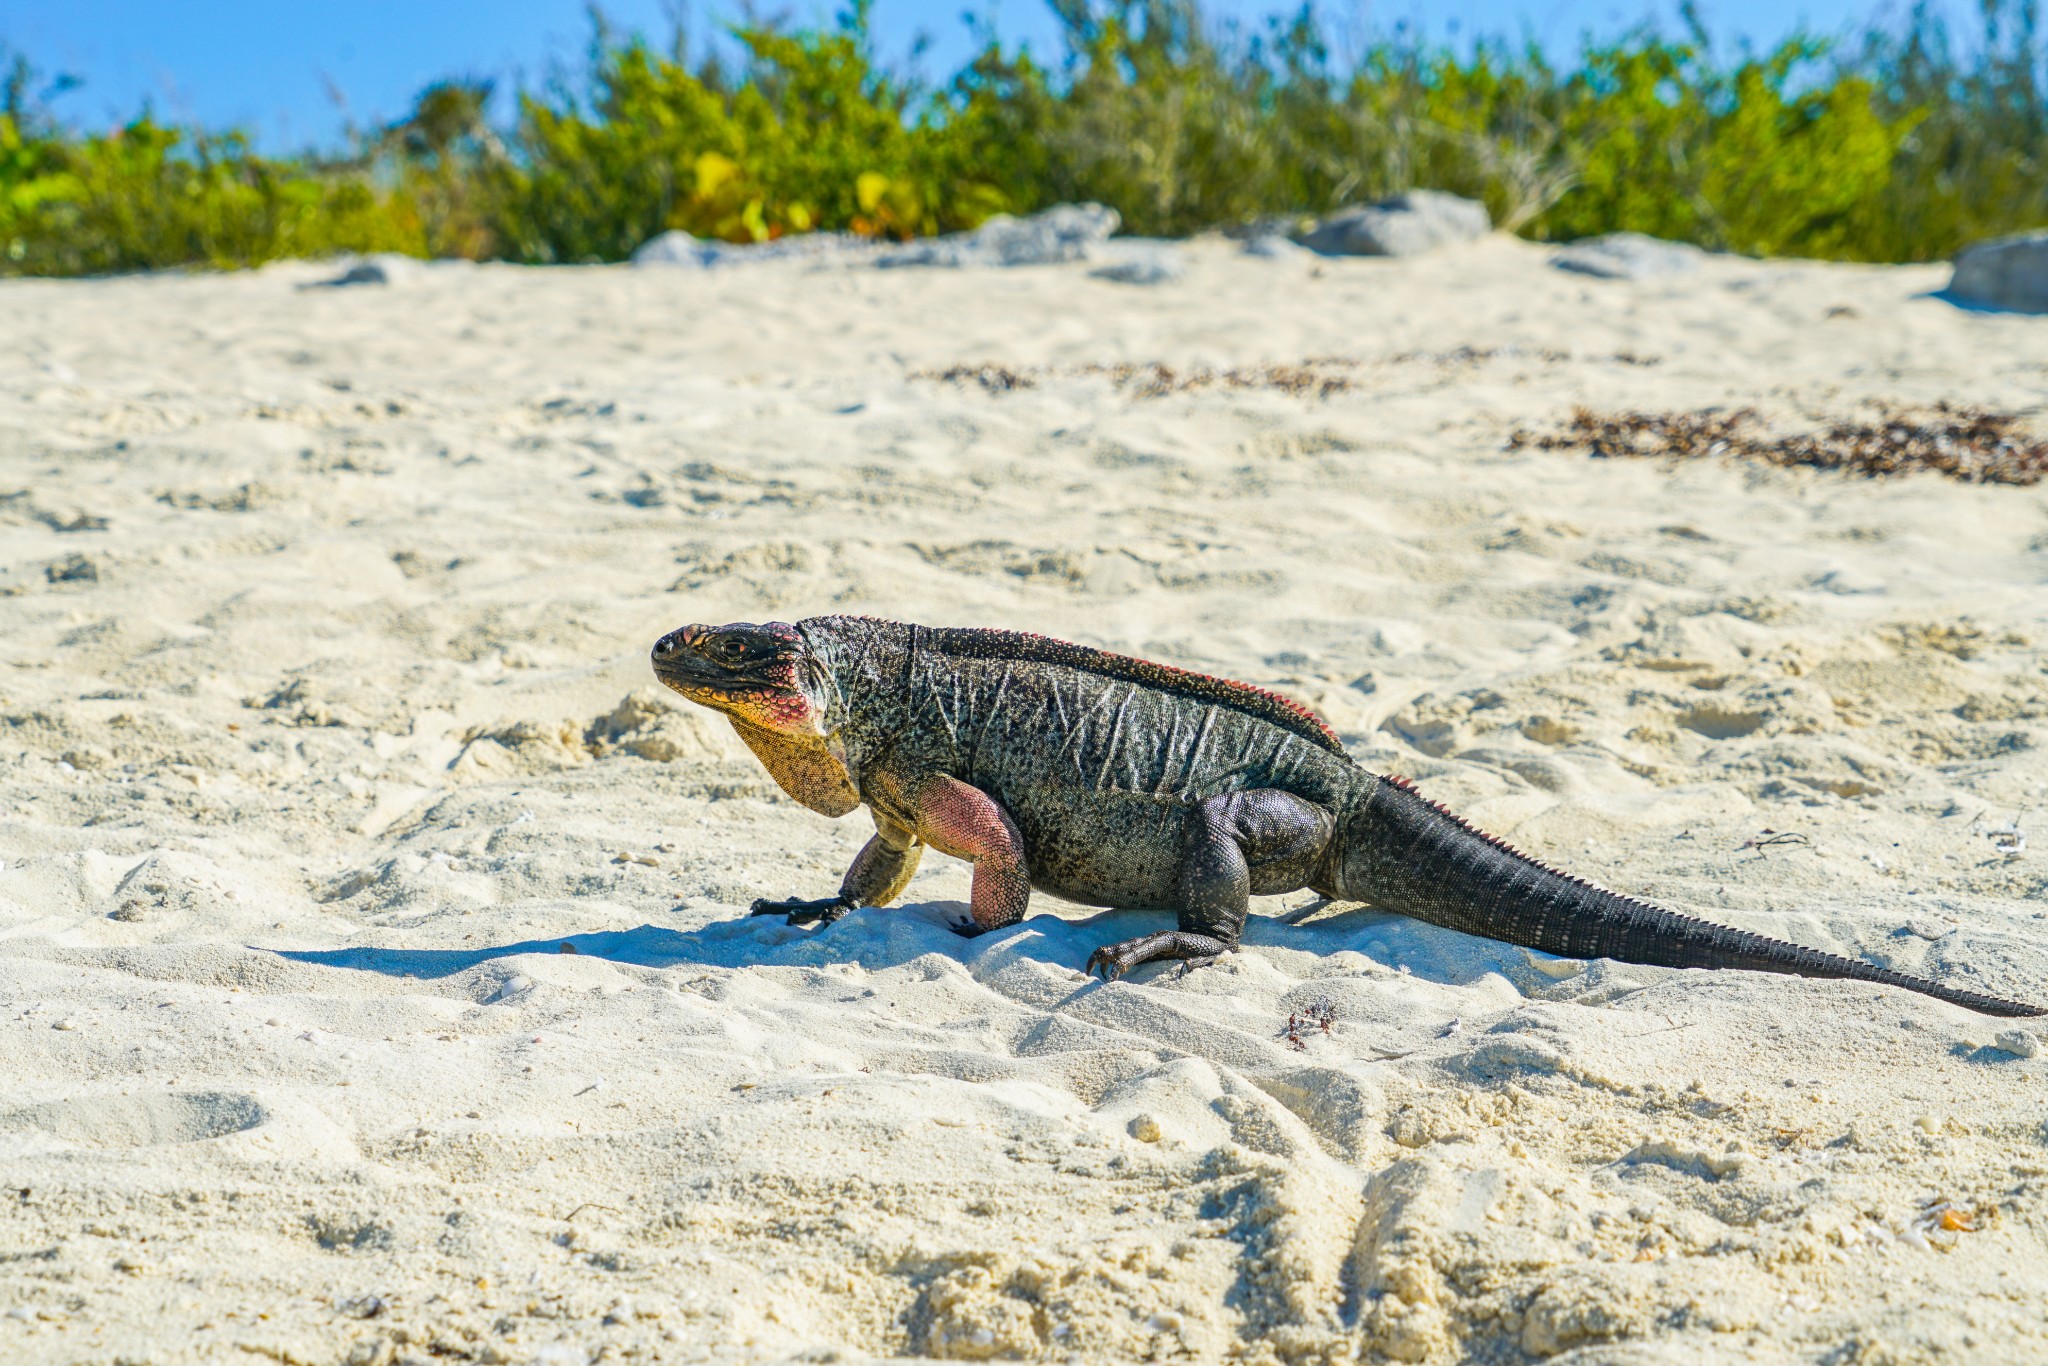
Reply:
x=969, y=824
x=880, y=872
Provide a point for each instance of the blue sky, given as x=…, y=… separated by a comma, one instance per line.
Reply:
x=273, y=66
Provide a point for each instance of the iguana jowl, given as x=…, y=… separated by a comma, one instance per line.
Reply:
x=1112, y=781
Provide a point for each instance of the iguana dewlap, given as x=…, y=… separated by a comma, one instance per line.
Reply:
x=1112, y=781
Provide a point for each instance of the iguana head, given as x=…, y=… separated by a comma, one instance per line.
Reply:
x=762, y=675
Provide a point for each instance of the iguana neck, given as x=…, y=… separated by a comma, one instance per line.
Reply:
x=811, y=769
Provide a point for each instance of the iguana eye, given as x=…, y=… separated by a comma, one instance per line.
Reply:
x=733, y=648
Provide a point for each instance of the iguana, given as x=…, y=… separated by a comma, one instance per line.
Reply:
x=1112, y=781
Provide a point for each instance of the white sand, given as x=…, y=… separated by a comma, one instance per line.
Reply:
x=352, y=729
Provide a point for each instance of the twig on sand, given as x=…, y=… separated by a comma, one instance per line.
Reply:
x=1771, y=839
x=589, y=1204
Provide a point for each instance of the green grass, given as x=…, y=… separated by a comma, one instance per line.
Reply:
x=1902, y=145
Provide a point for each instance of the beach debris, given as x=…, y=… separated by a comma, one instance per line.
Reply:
x=1300, y=1023
x=1971, y=445
x=1145, y=1129
x=1317, y=378
x=1157, y=381
x=1314, y=377
x=2004, y=272
x=360, y=1307
x=1064, y=232
x=73, y=568
x=1627, y=256
x=2008, y=839
x=997, y=379
x=1405, y=225
x=1768, y=838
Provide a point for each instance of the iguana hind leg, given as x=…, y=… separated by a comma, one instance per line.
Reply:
x=1264, y=840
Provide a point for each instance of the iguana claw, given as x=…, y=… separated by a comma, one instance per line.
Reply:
x=966, y=929
x=1194, y=951
x=1105, y=962
x=804, y=912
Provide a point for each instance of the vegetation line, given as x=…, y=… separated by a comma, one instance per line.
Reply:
x=1900, y=146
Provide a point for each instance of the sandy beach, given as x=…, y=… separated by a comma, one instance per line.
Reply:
x=375, y=979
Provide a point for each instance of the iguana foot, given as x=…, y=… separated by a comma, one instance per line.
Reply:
x=1197, y=950
x=805, y=912
x=965, y=928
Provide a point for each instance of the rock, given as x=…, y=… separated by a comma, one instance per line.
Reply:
x=1065, y=232
x=1274, y=246
x=1153, y=264
x=678, y=248
x=675, y=248
x=2018, y=1042
x=385, y=268
x=1419, y=221
x=2005, y=272
x=1627, y=256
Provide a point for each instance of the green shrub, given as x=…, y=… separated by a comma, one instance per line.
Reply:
x=811, y=135
x=1656, y=139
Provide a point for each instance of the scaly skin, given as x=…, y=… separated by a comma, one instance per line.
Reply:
x=1112, y=781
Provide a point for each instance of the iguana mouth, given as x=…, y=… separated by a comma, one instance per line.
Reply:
x=746, y=670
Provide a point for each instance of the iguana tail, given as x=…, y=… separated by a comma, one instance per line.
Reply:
x=1404, y=853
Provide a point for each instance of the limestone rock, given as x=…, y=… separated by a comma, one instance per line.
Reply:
x=1407, y=224
x=1065, y=232
x=385, y=268
x=2019, y=1043
x=2005, y=272
x=1274, y=246
x=1627, y=256
x=679, y=249
x=675, y=248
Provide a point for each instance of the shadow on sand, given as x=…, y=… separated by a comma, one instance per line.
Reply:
x=878, y=939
